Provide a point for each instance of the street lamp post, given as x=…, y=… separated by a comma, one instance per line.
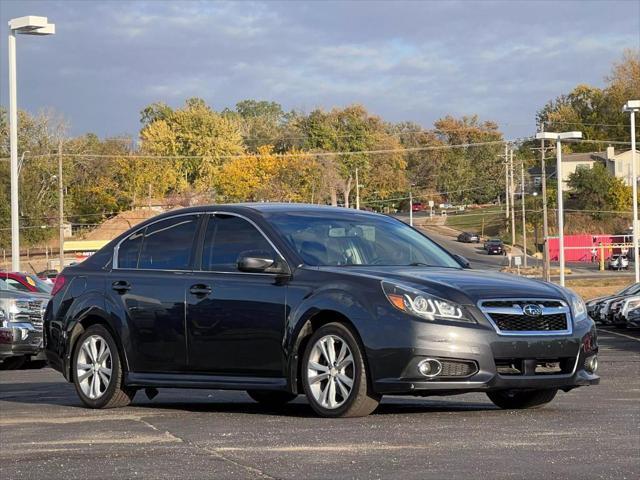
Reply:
x=633, y=106
x=558, y=137
x=29, y=25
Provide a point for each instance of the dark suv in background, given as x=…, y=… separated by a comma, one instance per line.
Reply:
x=342, y=305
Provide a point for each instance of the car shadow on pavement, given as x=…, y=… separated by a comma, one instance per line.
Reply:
x=62, y=394
x=301, y=409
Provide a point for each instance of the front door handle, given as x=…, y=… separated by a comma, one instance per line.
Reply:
x=121, y=286
x=200, y=290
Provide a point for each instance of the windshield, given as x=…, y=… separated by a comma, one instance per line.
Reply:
x=630, y=290
x=338, y=239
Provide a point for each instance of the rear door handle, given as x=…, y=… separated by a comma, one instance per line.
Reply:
x=121, y=286
x=200, y=289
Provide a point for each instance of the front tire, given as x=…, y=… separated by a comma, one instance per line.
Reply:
x=97, y=370
x=517, y=400
x=334, y=374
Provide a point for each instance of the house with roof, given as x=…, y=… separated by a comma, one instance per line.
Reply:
x=618, y=164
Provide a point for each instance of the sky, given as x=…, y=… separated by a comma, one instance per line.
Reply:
x=404, y=61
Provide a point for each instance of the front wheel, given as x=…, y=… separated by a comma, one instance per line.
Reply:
x=514, y=399
x=97, y=370
x=335, y=374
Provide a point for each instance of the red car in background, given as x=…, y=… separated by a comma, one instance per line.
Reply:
x=25, y=282
x=417, y=207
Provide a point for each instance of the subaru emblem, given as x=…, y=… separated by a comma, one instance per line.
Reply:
x=531, y=310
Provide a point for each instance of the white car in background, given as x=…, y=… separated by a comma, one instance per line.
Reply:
x=618, y=261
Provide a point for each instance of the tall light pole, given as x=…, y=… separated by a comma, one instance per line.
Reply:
x=524, y=218
x=512, y=190
x=27, y=26
x=633, y=106
x=558, y=137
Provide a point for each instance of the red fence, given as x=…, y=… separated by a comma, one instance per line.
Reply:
x=578, y=248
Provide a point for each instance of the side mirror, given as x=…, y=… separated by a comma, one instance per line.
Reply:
x=259, y=261
x=464, y=263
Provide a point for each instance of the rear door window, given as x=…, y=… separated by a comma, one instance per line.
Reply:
x=168, y=244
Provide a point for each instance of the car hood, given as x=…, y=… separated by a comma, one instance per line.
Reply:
x=24, y=295
x=464, y=286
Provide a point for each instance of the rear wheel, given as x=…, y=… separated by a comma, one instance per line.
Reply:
x=335, y=376
x=97, y=370
x=273, y=399
x=514, y=399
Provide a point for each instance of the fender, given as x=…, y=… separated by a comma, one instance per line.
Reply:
x=303, y=305
x=91, y=305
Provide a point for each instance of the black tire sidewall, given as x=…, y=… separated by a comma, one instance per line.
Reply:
x=116, y=372
x=359, y=371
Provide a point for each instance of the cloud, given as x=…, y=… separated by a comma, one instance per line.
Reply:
x=404, y=60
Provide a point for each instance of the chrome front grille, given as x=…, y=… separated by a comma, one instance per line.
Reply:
x=31, y=311
x=515, y=317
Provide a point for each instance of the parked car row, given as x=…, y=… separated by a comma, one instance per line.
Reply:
x=620, y=309
x=22, y=305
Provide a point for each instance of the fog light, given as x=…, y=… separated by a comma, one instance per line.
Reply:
x=591, y=364
x=430, y=367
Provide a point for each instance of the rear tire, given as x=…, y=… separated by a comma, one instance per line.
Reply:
x=97, y=371
x=270, y=398
x=334, y=374
x=516, y=400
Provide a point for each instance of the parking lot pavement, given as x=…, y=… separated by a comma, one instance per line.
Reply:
x=590, y=432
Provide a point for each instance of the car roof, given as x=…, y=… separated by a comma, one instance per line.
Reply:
x=268, y=207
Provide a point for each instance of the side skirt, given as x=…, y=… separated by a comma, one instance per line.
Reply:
x=213, y=382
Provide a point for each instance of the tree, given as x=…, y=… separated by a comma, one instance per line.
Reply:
x=261, y=123
x=352, y=130
x=266, y=176
x=597, y=112
x=470, y=174
x=597, y=191
x=199, y=134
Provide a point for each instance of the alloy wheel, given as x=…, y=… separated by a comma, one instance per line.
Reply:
x=94, y=366
x=330, y=371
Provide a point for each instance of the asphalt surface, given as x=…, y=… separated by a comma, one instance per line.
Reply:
x=591, y=432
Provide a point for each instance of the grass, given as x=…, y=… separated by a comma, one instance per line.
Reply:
x=597, y=288
x=472, y=220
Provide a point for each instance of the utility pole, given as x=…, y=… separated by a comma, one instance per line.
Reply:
x=60, y=206
x=410, y=206
x=513, y=200
x=506, y=181
x=546, y=267
x=524, y=218
x=357, y=191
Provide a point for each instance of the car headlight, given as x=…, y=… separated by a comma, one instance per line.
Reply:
x=578, y=307
x=423, y=305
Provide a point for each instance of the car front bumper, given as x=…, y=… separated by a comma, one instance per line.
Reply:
x=19, y=339
x=394, y=369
